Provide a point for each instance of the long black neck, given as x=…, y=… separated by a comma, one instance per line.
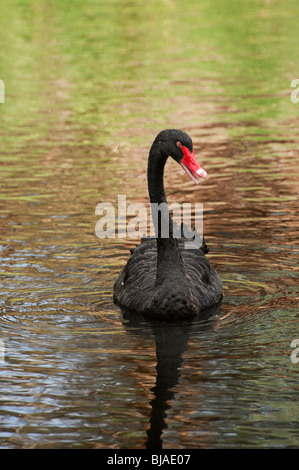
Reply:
x=155, y=178
x=168, y=252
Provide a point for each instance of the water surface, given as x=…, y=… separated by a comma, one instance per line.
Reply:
x=87, y=88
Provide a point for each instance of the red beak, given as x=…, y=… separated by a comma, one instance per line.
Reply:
x=191, y=166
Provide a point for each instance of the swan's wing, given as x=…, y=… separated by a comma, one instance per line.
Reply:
x=135, y=283
x=204, y=282
x=197, y=266
x=135, y=286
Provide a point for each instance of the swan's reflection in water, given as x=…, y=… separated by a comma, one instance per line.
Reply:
x=171, y=342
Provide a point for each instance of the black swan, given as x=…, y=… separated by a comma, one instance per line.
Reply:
x=162, y=279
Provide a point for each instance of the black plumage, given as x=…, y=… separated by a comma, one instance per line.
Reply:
x=162, y=278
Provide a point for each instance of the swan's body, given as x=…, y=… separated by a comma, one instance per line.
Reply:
x=162, y=278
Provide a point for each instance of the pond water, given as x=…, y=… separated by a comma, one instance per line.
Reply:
x=88, y=85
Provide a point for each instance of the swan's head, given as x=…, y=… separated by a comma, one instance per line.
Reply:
x=179, y=146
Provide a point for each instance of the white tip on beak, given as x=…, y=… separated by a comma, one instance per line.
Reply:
x=202, y=173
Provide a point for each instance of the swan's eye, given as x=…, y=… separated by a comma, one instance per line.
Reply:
x=179, y=144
